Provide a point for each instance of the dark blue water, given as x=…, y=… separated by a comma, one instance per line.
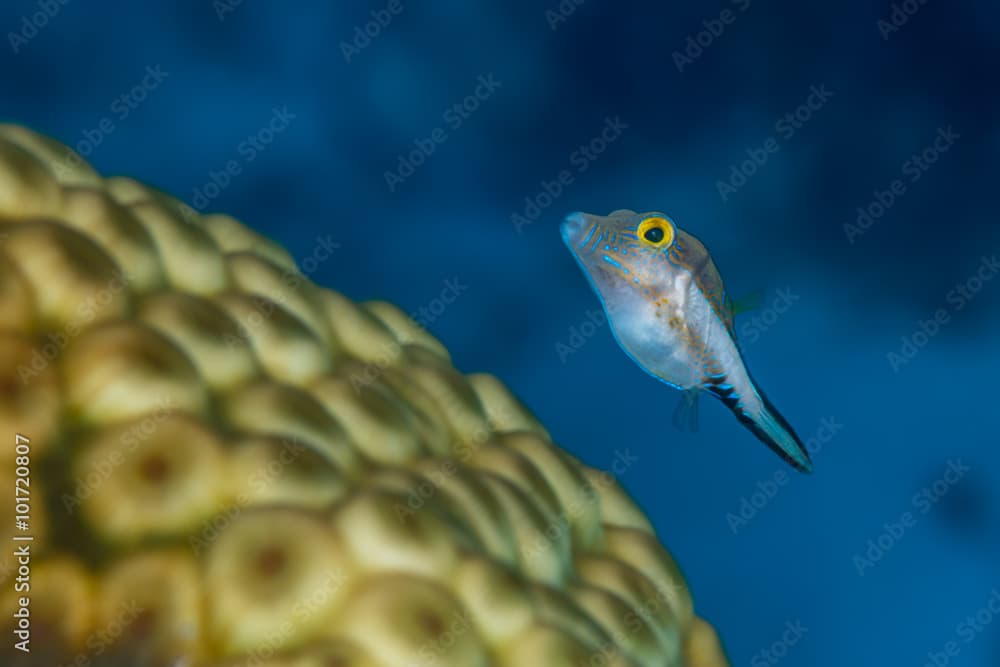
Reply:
x=761, y=131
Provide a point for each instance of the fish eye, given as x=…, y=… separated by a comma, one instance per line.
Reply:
x=656, y=231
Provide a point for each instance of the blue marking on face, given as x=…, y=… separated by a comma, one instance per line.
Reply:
x=597, y=242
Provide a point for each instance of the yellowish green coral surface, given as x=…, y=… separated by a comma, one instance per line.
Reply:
x=230, y=465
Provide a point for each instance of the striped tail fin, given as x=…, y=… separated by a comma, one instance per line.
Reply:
x=769, y=426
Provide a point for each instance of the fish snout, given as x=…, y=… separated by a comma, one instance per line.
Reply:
x=573, y=227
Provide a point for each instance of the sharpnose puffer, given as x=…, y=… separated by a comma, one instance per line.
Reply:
x=670, y=312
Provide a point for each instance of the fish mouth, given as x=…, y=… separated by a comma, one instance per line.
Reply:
x=573, y=228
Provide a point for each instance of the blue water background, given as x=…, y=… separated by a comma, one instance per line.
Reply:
x=849, y=299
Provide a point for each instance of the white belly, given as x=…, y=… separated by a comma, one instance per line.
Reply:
x=669, y=353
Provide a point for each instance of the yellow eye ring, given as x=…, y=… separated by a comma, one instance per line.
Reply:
x=656, y=232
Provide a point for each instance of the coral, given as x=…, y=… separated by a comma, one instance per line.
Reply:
x=233, y=466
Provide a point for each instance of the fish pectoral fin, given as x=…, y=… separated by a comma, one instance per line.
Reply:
x=746, y=303
x=686, y=412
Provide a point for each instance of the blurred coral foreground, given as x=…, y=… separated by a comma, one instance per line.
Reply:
x=222, y=463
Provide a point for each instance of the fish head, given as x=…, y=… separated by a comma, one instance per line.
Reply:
x=625, y=255
x=631, y=260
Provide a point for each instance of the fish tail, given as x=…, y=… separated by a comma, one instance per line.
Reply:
x=772, y=429
x=775, y=432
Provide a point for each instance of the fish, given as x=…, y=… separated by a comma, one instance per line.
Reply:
x=669, y=311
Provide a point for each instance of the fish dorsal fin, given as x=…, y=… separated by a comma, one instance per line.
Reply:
x=746, y=303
